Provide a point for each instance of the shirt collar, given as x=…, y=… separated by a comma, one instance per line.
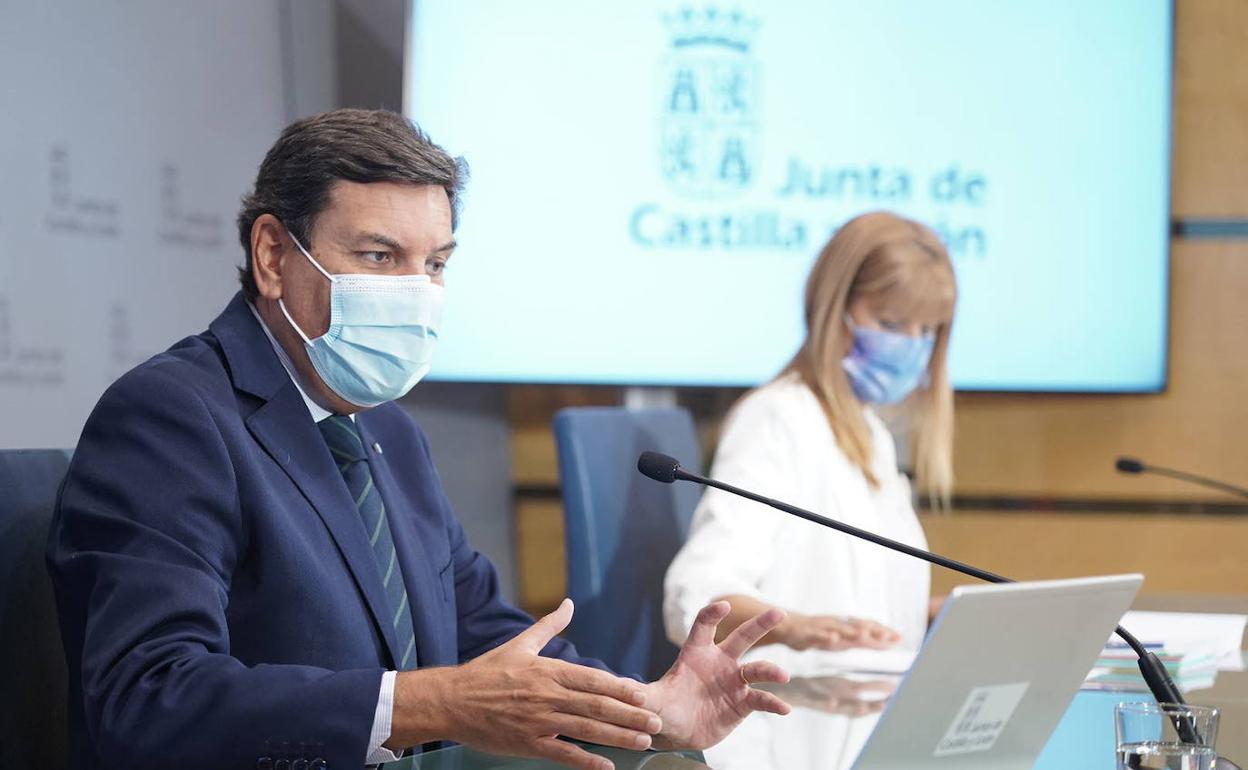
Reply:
x=317, y=411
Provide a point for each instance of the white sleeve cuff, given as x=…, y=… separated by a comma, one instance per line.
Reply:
x=381, y=723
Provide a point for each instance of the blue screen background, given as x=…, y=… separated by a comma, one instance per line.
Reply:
x=1034, y=136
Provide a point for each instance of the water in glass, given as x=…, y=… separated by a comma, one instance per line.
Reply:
x=1156, y=755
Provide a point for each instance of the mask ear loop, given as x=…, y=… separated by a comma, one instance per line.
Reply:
x=282, y=304
x=291, y=321
x=315, y=264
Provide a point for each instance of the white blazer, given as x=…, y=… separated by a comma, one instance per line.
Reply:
x=777, y=442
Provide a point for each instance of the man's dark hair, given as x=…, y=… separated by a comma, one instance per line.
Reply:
x=312, y=154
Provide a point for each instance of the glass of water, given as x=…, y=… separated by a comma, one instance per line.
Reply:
x=1165, y=736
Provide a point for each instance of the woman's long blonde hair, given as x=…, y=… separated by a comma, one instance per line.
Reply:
x=900, y=266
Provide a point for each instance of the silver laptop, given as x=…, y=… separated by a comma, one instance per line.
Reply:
x=996, y=673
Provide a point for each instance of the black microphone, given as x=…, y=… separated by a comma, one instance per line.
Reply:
x=661, y=467
x=1132, y=465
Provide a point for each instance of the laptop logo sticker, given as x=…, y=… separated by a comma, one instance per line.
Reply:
x=982, y=719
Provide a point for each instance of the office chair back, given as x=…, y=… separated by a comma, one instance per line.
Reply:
x=622, y=529
x=33, y=675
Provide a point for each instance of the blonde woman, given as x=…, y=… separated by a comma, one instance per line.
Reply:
x=879, y=305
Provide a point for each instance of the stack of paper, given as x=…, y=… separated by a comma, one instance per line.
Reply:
x=1193, y=647
x=1119, y=665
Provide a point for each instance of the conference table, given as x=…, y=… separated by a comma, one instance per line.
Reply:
x=834, y=714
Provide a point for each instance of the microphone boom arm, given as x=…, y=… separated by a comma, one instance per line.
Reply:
x=918, y=553
x=665, y=469
x=851, y=530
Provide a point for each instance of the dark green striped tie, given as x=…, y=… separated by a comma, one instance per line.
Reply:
x=348, y=451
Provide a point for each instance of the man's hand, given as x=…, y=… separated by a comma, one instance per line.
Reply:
x=828, y=632
x=512, y=701
x=707, y=692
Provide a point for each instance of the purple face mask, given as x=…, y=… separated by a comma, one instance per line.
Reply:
x=884, y=367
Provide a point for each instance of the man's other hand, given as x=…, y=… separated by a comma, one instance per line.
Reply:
x=707, y=692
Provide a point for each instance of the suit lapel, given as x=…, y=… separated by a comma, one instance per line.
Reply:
x=286, y=431
x=283, y=426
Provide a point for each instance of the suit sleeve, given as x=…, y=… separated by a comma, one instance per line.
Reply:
x=148, y=531
x=485, y=619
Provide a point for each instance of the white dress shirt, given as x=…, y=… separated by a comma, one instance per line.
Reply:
x=777, y=442
x=384, y=713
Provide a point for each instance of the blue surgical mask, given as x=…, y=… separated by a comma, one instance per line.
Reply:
x=381, y=337
x=883, y=366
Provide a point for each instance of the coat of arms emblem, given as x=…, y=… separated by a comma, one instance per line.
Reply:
x=709, y=92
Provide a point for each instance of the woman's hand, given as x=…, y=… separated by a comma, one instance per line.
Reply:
x=837, y=694
x=833, y=633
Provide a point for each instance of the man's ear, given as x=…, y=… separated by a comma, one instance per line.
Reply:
x=269, y=244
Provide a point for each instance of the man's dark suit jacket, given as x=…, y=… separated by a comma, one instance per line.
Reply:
x=219, y=600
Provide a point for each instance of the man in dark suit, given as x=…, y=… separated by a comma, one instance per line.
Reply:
x=254, y=560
